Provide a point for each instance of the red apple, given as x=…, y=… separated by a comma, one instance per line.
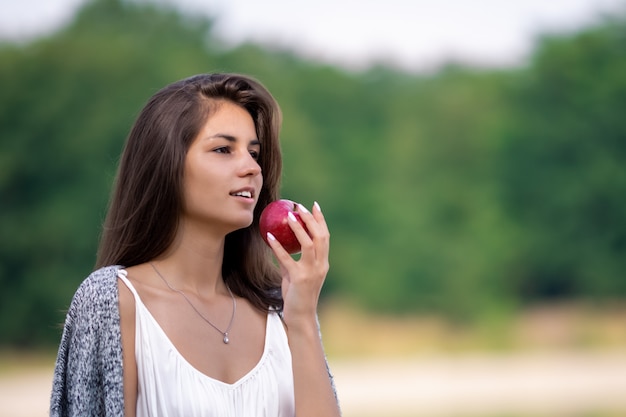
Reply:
x=274, y=220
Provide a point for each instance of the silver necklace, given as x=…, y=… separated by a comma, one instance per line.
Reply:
x=232, y=317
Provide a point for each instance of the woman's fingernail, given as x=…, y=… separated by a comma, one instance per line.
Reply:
x=317, y=206
x=302, y=208
x=292, y=217
x=270, y=236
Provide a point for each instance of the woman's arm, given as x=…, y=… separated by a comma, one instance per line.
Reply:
x=301, y=286
x=314, y=391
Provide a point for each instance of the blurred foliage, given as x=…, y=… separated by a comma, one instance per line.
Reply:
x=464, y=193
x=563, y=167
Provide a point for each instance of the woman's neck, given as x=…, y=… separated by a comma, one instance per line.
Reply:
x=193, y=263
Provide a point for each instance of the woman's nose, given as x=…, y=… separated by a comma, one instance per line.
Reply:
x=249, y=165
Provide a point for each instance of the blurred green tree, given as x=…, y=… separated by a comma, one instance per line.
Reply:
x=563, y=176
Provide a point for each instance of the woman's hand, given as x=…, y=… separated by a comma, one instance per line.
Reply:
x=303, y=278
x=302, y=282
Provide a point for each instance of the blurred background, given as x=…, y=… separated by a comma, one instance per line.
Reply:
x=469, y=158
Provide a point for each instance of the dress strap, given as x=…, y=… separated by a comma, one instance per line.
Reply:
x=123, y=275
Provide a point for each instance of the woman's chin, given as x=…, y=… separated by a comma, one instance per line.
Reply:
x=243, y=224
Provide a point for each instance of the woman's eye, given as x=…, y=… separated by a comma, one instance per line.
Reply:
x=255, y=155
x=223, y=149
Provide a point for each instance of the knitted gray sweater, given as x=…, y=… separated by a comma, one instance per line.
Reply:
x=88, y=373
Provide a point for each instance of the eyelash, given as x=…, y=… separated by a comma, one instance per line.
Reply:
x=227, y=150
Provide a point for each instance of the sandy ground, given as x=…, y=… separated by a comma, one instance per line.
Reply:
x=546, y=385
x=542, y=384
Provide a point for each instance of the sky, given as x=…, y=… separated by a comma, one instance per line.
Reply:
x=416, y=35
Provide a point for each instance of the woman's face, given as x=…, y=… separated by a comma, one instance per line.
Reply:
x=222, y=178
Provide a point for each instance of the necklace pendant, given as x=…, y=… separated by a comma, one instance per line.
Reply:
x=226, y=339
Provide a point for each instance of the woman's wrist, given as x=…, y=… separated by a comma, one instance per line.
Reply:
x=303, y=326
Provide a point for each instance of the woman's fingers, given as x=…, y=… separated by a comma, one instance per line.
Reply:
x=313, y=237
x=317, y=214
x=281, y=254
x=317, y=229
x=304, y=234
x=303, y=277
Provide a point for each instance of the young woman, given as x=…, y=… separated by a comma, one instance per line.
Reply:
x=187, y=314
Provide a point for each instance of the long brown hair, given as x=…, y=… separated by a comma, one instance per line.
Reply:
x=146, y=203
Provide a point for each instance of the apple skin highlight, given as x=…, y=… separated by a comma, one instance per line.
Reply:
x=274, y=220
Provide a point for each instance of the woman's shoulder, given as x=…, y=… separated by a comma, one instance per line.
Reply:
x=98, y=291
x=100, y=280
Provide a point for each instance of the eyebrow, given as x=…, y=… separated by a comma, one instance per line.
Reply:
x=231, y=138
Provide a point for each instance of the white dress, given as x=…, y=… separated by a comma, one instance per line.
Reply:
x=169, y=386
